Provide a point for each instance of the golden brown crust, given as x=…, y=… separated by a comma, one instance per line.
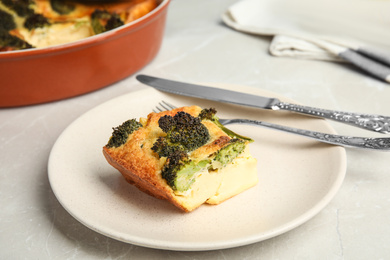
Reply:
x=132, y=175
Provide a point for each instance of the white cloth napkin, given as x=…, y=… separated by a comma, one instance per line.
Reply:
x=321, y=29
x=287, y=46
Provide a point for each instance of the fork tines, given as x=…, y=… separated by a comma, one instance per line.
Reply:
x=163, y=106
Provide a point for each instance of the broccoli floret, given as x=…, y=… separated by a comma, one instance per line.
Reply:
x=35, y=21
x=234, y=148
x=164, y=148
x=180, y=172
x=21, y=7
x=184, y=132
x=96, y=18
x=11, y=42
x=62, y=7
x=122, y=132
x=114, y=22
x=7, y=21
x=102, y=21
x=209, y=114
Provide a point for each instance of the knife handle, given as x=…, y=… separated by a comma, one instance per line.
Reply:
x=376, y=123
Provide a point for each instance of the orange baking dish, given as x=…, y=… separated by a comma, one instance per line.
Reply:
x=36, y=76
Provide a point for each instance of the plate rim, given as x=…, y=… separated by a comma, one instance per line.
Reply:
x=201, y=246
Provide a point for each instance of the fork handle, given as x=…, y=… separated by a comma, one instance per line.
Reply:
x=378, y=144
x=376, y=123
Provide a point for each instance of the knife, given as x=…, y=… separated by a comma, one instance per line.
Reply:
x=376, y=123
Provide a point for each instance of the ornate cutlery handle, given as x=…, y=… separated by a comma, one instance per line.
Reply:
x=378, y=144
x=376, y=123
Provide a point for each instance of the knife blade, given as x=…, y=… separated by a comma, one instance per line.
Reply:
x=376, y=123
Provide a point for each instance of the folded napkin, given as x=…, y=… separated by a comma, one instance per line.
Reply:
x=287, y=46
x=321, y=29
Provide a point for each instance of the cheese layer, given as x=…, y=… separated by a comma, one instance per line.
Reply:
x=236, y=178
x=214, y=187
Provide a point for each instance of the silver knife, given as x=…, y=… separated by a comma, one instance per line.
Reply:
x=376, y=123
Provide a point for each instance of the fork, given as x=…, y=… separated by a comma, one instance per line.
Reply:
x=377, y=144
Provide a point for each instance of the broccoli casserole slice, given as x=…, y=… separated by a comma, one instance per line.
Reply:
x=184, y=156
x=26, y=24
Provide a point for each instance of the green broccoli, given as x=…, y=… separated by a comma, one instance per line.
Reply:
x=184, y=132
x=35, y=21
x=180, y=171
x=209, y=114
x=62, y=7
x=164, y=148
x=8, y=41
x=102, y=21
x=122, y=132
x=20, y=7
x=229, y=152
x=7, y=21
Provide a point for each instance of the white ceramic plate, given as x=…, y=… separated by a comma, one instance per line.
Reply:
x=298, y=177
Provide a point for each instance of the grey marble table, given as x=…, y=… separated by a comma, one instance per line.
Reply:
x=197, y=47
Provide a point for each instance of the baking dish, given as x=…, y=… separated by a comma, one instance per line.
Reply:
x=42, y=75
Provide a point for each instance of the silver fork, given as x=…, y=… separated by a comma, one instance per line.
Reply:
x=377, y=144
